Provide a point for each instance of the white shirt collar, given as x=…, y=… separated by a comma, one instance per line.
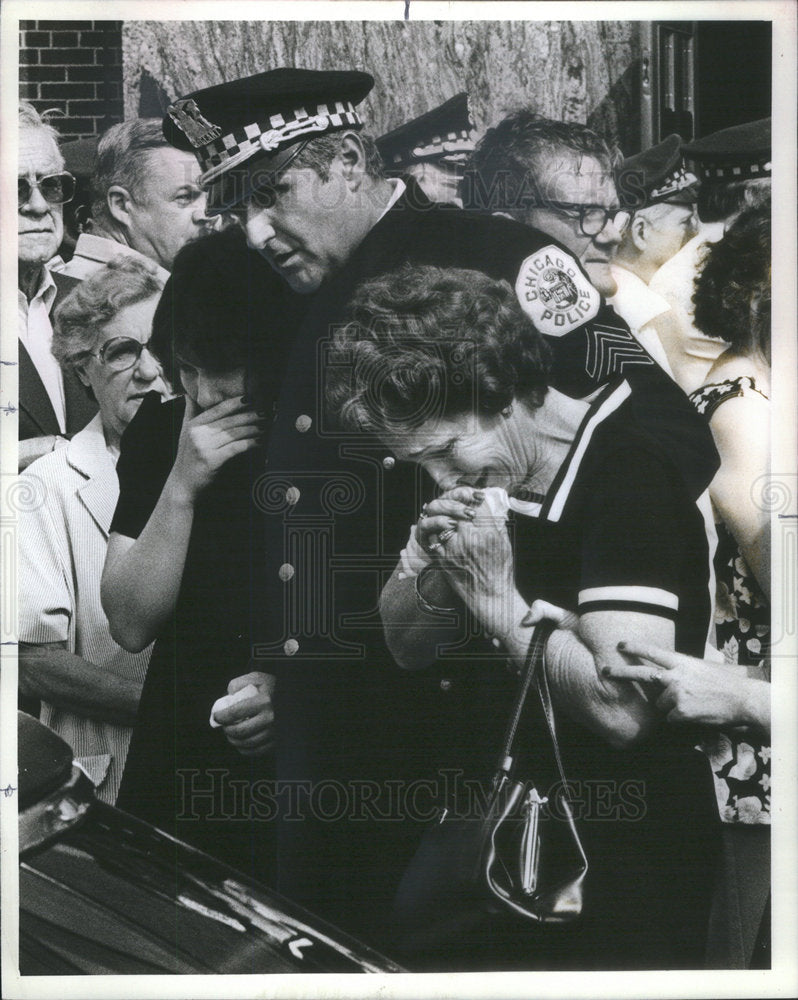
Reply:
x=398, y=186
x=45, y=292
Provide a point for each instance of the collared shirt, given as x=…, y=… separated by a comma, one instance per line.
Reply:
x=36, y=334
x=93, y=252
x=695, y=354
x=399, y=187
x=638, y=305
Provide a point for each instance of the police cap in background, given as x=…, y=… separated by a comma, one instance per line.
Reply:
x=432, y=148
x=739, y=153
x=445, y=134
x=656, y=175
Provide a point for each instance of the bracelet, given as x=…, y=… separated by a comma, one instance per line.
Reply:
x=423, y=603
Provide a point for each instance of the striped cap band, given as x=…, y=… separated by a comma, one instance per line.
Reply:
x=735, y=171
x=438, y=146
x=280, y=130
x=677, y=181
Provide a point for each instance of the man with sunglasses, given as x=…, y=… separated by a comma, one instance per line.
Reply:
x=52, y=404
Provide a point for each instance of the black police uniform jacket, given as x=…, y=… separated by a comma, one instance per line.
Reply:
x=338, y=511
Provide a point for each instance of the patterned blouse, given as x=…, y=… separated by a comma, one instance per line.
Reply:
x=740, y=764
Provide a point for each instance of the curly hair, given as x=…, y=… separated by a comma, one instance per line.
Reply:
x=717, y=202
x=507, y=169
x=426, y=343
x=93, y=303
x=732, y=290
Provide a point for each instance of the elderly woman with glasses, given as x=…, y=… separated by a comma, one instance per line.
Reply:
x=88, y=685
x=542, y=496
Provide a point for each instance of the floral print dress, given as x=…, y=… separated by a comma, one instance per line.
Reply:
x=740, y=764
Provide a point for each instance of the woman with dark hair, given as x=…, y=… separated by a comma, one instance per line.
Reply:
x=184, y=553
x=546, y=497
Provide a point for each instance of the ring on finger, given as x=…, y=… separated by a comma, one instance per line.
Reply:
x=658, y=676
x=445, y=535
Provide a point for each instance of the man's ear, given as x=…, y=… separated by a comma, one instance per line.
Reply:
x=80, y=371
x=638, y=232
x=118, y=200
x=353, y=159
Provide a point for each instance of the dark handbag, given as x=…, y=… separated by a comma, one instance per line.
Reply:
x=520, y=860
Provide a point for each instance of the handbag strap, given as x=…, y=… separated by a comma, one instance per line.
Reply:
x=533, y=662
x=548, y=711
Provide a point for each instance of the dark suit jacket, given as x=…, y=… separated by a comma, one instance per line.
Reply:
x=36, y=414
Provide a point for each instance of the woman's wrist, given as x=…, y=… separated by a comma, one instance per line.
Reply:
x=755, y=704
x=433, y=592
x=177, y=494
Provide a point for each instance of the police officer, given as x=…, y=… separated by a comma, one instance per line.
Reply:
x=660, y=194
x=734, y=170
x=284, y=152
x=433, y=149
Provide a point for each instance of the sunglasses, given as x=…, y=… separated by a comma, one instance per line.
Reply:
x=56, y=189
x=120, y=353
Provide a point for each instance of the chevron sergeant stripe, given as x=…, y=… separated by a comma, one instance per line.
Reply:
x=611, y=350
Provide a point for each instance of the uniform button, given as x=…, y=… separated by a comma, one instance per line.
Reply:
x=446, y=684
x=303, y=423
x=292, y=495
x=285, y=572
x=388, y=462
x=290, y=646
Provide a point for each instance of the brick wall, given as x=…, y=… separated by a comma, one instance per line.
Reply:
x=75, y=66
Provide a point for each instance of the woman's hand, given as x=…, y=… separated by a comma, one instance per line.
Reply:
x=543, y=611
x=208, y=439
x=441, y=516
x=472, y=546
x=249, y=725
x=696, y=691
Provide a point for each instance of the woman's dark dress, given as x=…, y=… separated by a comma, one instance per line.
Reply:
x=618, y=530
x=181, y=774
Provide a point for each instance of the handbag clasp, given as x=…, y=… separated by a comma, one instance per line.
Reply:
x=530, y=841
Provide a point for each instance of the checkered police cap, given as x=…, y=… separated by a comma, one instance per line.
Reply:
x=246, y=133
x=656, y=175
x=739, y=153
x=445, y=134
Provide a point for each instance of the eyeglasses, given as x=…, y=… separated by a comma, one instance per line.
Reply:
x=592, y=218
x=120, y=353
x=57, y=189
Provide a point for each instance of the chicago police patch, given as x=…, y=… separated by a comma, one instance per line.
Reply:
x=554, y=292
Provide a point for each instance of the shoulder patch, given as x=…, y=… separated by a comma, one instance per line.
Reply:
x=554, y=292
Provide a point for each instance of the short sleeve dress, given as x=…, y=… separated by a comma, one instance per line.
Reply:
x=740, y=765
x=619, y=530
x=181, y=774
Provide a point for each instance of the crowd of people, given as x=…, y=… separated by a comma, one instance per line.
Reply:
x=275, y=342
